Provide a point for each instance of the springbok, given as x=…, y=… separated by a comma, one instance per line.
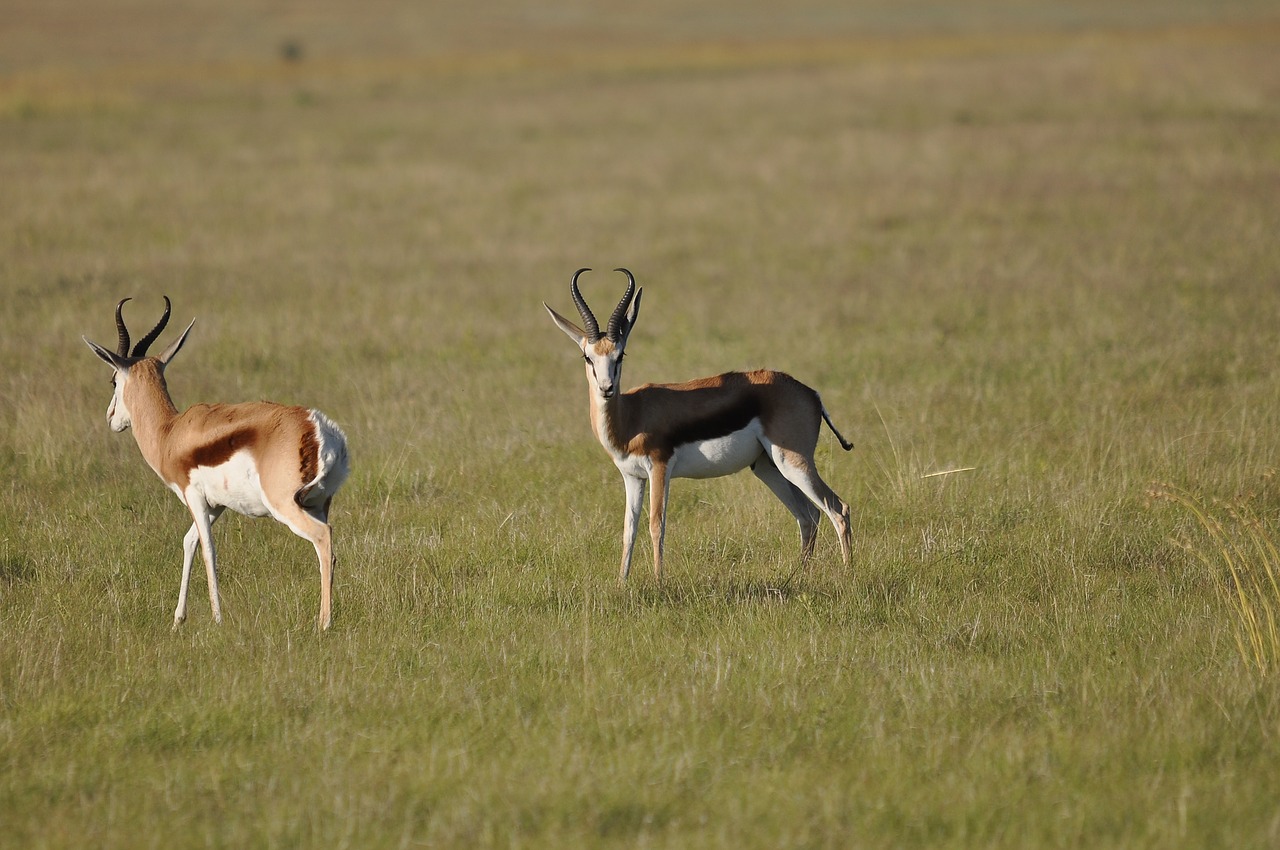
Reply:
x=706, y=428
x=258, y=458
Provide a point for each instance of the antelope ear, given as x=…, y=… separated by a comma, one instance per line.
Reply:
x=631, y=318
x=571, y=330
x=167, y=354
x=115, y=361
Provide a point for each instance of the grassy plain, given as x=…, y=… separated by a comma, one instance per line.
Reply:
x=1047, y=250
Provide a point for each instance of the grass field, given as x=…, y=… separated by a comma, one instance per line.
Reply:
x=1036, y=242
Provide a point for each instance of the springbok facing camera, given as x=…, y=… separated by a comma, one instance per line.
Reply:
x=764, y=420
x=258, y=458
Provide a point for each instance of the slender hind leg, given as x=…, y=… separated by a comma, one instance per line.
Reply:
x=204, y=517
x=806, y=513
x=799, y=470
x=311, y=527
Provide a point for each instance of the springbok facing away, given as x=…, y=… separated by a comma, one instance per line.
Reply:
x=258, y=458
x=764, y=420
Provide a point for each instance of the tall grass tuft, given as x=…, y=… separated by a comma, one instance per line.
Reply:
x=1242, y=556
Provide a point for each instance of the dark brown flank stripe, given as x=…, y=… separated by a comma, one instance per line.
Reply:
x=719, y=422
x=739, y=401
x=220, y=451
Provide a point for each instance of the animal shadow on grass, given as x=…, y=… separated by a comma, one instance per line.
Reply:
x=730, y=590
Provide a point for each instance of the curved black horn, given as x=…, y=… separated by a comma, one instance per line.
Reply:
x=589, y=323
x=123, y=348
x=615, y=329
x=140, y=350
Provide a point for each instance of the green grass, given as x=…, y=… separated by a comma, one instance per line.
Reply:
x=1045, y=249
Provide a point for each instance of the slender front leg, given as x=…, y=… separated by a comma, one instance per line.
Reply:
x=659, y=485
x=189, y=544
x=204, y=517
x=635, y=502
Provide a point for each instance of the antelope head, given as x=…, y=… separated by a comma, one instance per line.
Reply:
x=603, y=352
x=123, y=361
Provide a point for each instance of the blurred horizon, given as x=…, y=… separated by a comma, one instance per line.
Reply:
x=85, y=37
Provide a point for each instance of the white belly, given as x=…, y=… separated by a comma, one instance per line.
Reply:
x=234, y=485
x=720, y=456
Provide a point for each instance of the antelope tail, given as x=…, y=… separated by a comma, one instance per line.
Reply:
x=844, y=444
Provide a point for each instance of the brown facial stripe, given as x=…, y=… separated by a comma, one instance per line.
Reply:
x=220, y=451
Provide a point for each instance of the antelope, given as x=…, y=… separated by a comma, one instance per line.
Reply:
x=258, y=458
x=763, y=420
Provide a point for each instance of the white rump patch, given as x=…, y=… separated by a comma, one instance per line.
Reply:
x=334, y=462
